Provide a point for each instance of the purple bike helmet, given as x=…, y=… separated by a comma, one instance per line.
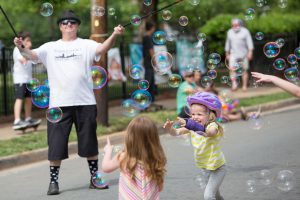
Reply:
x=207, y=99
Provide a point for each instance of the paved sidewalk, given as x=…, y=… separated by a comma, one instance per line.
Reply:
x=6, y=131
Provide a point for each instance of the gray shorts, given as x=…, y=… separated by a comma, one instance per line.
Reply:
x=244, y=62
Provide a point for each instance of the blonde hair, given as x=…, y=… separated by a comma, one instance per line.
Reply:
x=142, y=144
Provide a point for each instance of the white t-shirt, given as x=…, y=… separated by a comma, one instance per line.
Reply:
x=21, y=73
x=68, y=67
x=239, y=43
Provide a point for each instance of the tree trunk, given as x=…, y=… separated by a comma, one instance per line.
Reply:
x=99, y=34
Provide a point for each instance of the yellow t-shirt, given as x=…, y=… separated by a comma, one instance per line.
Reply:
x=207, y=150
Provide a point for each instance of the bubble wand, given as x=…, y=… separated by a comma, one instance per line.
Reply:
x=156, y=11
x=10, y=24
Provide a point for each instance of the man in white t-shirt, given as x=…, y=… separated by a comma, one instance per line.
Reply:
x=68, y=63
x=22, y=74
x=239, y=51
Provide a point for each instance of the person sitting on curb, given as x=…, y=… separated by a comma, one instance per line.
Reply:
x=283, y=84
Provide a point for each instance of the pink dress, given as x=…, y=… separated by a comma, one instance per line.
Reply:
x=139, y=188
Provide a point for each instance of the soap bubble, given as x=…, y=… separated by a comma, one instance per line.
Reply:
x=111, y=11
x=250, y=14
x=159, y=37
x=33, y=84
x=98, y=180
x=143, y=84
x=206, y=81
x=291, y=74
x=271, y=49
x=224, y=79
x=99, y=76
x=130, y=108
x=54, y=114
x=259, y=36
x=194, y=2
x=174, y=80
x=279, y=64
x=201, y=37
x=285, y=180
x=260, y=3
x=40, y=97
x=292, y=58
x=135, y=20
x=147, y=2
x=265, y=176
x=166, y=15
x=215, y=58
x=142, y=97
x=282, y=3
x=251, y=186
x=46, y=9
x=183, y=20
x=162, y=62
x=137, y=71
x=212, y=74
x=297, y=53
x=98, y=11
x=280, y=42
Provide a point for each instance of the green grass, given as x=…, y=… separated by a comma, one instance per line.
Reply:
x=39, y=139
x=264, y=99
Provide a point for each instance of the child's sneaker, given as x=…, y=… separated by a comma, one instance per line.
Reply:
x=20, y=124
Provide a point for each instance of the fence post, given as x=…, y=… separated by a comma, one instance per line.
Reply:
x=4, y=71
x=123, y=67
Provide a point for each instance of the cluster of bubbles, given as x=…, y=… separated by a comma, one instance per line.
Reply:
x=284, y=181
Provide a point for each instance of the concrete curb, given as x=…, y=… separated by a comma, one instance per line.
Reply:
x=116, y=138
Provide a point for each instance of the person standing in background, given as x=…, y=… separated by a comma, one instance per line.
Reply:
x=239, y=51
x=22, y=74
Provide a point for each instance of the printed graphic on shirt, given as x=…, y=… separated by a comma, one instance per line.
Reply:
x=66, y=55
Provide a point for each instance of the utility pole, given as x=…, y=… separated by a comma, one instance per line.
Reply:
x=99, y=34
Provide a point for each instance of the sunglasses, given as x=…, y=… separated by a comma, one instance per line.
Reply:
x=67, y=21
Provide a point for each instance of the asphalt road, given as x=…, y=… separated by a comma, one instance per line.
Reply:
x=276, y=146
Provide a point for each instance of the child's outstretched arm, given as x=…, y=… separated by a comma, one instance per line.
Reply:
x=179, y=131
x=285, y=85
x=109, y=164
x=211, y=131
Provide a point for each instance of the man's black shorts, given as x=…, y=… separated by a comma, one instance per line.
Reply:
x=21, y=91
x=84, y=118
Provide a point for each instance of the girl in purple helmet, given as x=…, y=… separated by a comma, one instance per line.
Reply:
x=205, y=134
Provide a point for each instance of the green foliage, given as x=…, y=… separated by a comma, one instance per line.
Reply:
x=272, y=23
